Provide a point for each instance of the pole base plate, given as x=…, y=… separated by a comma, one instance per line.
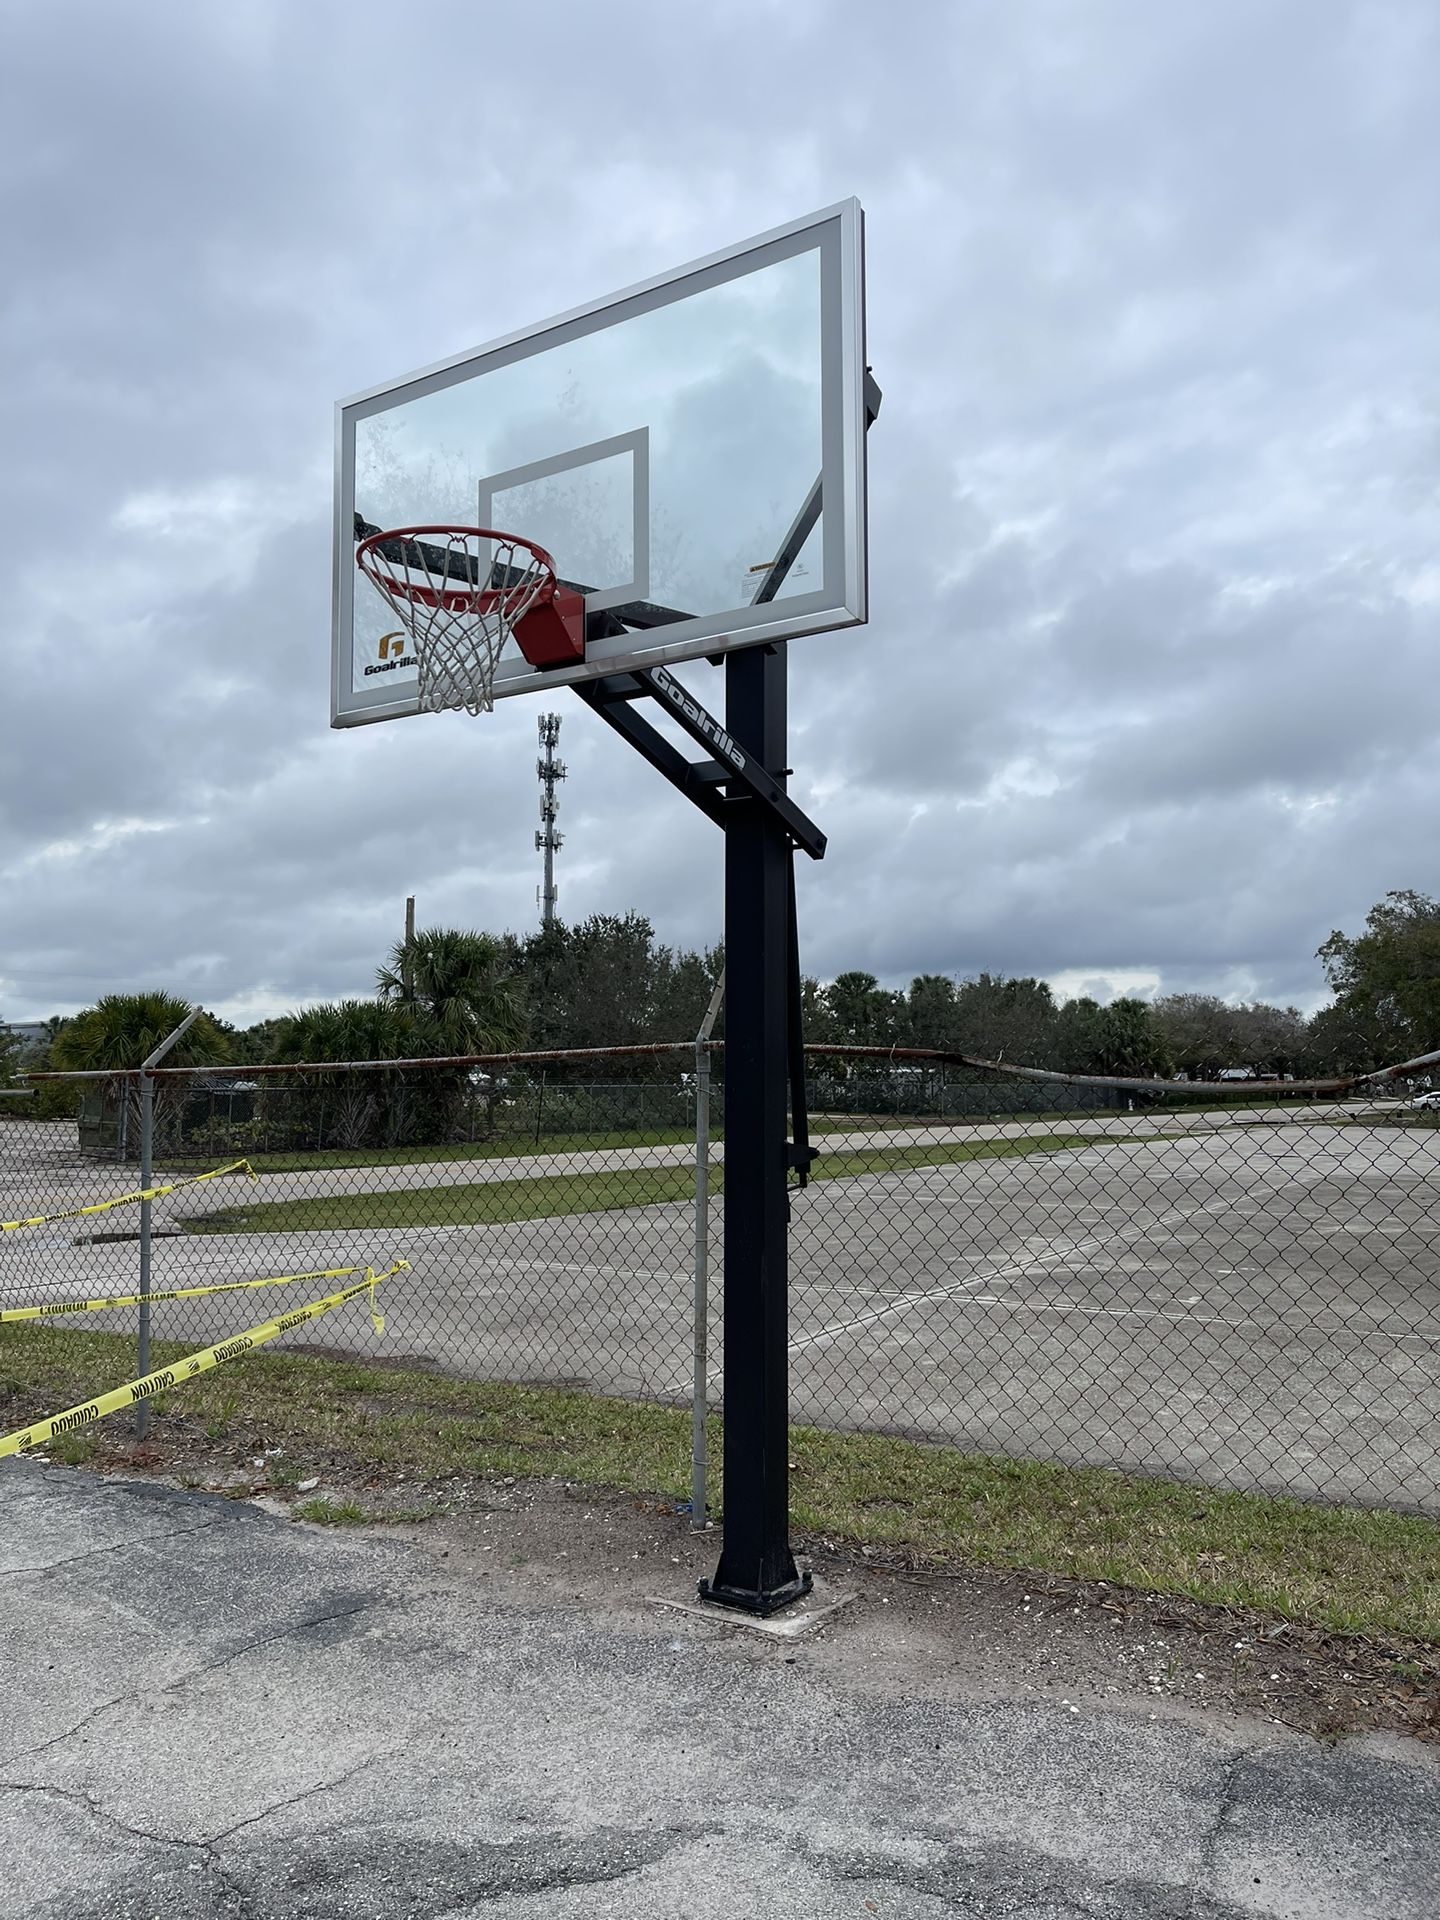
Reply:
x=762, y=1600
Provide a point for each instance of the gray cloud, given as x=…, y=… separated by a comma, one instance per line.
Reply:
x=1148, y=690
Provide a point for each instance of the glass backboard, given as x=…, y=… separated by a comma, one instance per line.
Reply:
x=690, y=451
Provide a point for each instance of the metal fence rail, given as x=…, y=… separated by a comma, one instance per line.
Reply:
x=1240, y=1293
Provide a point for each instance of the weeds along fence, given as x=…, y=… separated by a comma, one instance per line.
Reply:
x=336, y=1112
x=232, y=1112
x=1238, y=1287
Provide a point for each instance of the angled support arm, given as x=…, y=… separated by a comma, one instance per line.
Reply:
x=701, y=781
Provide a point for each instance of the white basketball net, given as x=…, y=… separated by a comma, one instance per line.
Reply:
x=459, y=593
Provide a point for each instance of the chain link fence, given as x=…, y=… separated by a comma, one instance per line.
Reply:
x=1240, y=1290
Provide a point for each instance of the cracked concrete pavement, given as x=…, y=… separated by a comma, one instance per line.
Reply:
x=211, y=1711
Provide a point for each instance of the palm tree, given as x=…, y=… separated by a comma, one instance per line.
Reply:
x=457, y=986
x=346, y=1030
x=461, y=990
x=122, y=1029
x=350, y=1109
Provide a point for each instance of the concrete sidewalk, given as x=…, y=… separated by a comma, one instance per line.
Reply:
x=212, y=1711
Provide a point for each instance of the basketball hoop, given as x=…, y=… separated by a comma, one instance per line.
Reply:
x=461, y=593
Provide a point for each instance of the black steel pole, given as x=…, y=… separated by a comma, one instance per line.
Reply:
x=757, y=1570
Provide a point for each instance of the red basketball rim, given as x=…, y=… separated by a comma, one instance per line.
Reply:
x=376, y=567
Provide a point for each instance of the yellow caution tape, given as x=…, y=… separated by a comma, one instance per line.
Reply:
x=124, y=1199
x=52, y=1308
x=164, y=1378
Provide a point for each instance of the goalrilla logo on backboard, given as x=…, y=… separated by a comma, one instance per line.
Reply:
x=709, y=728
x=392, y=655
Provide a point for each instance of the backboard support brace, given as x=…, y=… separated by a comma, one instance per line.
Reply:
x=701, y=781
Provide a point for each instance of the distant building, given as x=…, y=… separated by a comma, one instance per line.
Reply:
x=32, y=1034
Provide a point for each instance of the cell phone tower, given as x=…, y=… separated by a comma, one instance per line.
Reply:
x=549, y=839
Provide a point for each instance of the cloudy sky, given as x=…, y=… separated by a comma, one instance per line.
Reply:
x=1149, y=695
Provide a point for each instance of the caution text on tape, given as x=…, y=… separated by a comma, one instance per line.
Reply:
x=40, y=1432
x=127, y=1199
x=53, y=1309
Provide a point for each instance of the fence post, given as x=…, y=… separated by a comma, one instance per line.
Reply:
x=700, y=1386
x=147, y=1165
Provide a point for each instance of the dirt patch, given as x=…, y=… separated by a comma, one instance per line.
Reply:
x=960, y=1632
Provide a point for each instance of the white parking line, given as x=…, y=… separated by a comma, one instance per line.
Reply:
x=1058, y=1253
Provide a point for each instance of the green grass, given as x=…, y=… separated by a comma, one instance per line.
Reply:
x=494, y=1202
x=524, y=1145
x=488, y=1203
x=1343, y=1568
x=1351, y=1569
x=332, y=1513
x=515, y=1146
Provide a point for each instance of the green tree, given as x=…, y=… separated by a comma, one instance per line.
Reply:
x=336, y=1030
x=815, y=1021
x=1344, y=1039
x=1131, y=1042
x=1386, y=980
x=1204, y=1034
x=460, y=989
x=1201, y=1032
x=681, y=993
x=121, y=1030
x=929, y=1017
x=53, y=1099
x=1006, y=1019
x=1077, y=1040
x=255, y=1044
x=355, y=1109
x=862, y=1013
x=597, y=984
x=1270, y=1039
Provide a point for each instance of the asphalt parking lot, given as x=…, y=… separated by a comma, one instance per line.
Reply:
x=213, y=1713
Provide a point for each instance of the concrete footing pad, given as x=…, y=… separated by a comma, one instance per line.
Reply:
x=817, y=1609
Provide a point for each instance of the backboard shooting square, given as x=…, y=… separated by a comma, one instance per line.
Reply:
x=591, y=503
x=690, y=451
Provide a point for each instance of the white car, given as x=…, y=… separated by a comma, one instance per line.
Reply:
x=1426, y=1100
